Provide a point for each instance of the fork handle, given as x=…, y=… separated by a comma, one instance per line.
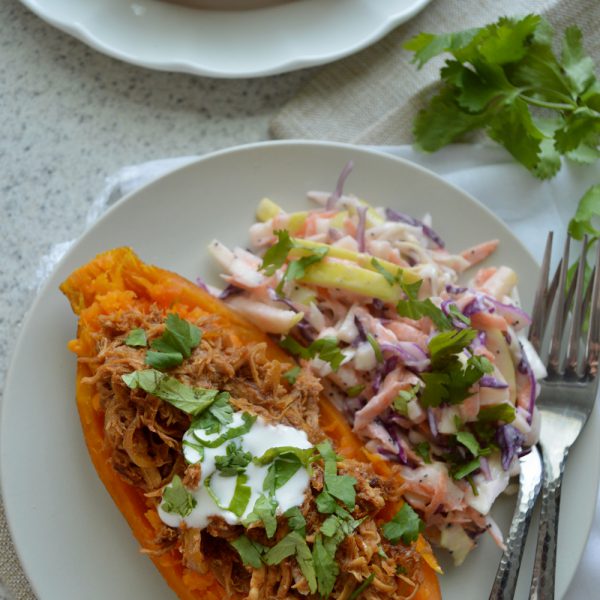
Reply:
x=507, y=575
x=544, y=566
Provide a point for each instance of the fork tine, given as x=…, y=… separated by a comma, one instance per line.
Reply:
x=578, y=311
x=593, y=341
x=559, y=322
x=539, y=305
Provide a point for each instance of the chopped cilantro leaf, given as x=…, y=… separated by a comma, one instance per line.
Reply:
x=176, y=499
x=136, y=337
x=280, y=471
x=277, y=254
x=415, y=309
x=291, y=375
x=296, y=269
x=219, y=413
x=376, y=348
x=190, y=400
x=337, y=486
x=296, y=520
x=405, y=525
x=231, y=433
x=400, y=402
x=176, y=343
x=293, y=544
x=362, y=587
x=304, y=455
x=264, y=510
x=354, y=391
x=250, y=551
x=326, y=503
x=444, y=346
x=325, y=348
x=466, y=469
x=326, y=567
x=470, y=442
x=497, y=412
x=234, y=462
x=453, y=310
x=241, y=495
x=391, y=279
x=422, y=449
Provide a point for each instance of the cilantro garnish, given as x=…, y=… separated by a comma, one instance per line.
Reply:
x=389, y=277
x=264, y=510
x=405, y=525
x=506, y=79
x=291, y=375
x=296, y=520
x=249, y=550
x=176, y=343
x=423, y=450
x=463, y=470
x=413, y=308
x=354, y=391
x=497, y=412
x=451, y=378
x=176, y=499
x=336, y=486
x=280, y=471
x=241, y=495
x=326, y=567
x=277, y=254
x=231, y=433
x=400, y=402
x=219, y=413
x=234, y=461
x=304, y=455
x=188, y=399
x=136, y=337
x=362, y=587
x=469, y=441
x=376, y=348
x=293, y=544
x=325, y=348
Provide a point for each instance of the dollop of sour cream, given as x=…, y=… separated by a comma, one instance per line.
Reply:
x=261, y=437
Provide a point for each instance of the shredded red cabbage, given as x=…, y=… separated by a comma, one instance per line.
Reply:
x=230, y=290
x=201, y=284
x=510, y=440
x=517, y=317
x=399, y=217
x=339, y=188
x=525, y=369
x=484, y=465
x=492, y=382
x=432, y=423
x=384, y=369
x=457, y=323
x=362, y=334
x=411, y=354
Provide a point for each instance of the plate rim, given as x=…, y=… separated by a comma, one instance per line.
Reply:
x=21, y=338
x=87, y=36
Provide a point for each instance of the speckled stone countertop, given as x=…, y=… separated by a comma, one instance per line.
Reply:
x=71, y=116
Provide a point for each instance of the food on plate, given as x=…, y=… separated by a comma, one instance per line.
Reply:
x=434, y=375
x=235, y=476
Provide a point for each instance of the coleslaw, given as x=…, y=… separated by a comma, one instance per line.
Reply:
x=434, y=375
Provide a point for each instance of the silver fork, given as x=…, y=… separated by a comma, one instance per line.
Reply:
x=565, y=402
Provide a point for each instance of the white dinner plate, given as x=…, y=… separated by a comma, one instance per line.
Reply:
x=227, y=43
x=71, y=539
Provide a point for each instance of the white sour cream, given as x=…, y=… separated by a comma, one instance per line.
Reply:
x=261, y=437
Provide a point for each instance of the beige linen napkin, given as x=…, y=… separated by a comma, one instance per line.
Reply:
x=372, y=97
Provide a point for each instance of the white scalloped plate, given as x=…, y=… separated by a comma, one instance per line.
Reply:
x=71, y=539
x=229, y=43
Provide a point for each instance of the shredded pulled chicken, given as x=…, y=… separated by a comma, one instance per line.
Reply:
x=143, y=435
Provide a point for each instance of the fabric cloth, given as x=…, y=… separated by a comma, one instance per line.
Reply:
x=372, y=97
x=486, y=172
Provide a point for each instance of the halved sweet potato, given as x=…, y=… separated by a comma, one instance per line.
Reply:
x=118, y=280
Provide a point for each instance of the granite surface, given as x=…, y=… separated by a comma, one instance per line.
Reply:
x=71, y=116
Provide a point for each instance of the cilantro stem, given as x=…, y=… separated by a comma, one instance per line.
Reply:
x=552, y=105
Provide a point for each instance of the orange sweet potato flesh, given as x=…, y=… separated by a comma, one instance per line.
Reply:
x=118, y=280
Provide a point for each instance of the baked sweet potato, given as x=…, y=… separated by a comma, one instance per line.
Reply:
x=118, y=281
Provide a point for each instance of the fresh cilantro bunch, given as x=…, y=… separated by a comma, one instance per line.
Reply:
x=506, y=79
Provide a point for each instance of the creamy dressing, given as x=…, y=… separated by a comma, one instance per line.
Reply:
x=261, y=437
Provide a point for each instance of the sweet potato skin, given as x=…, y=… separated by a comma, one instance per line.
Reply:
x=118, y=280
